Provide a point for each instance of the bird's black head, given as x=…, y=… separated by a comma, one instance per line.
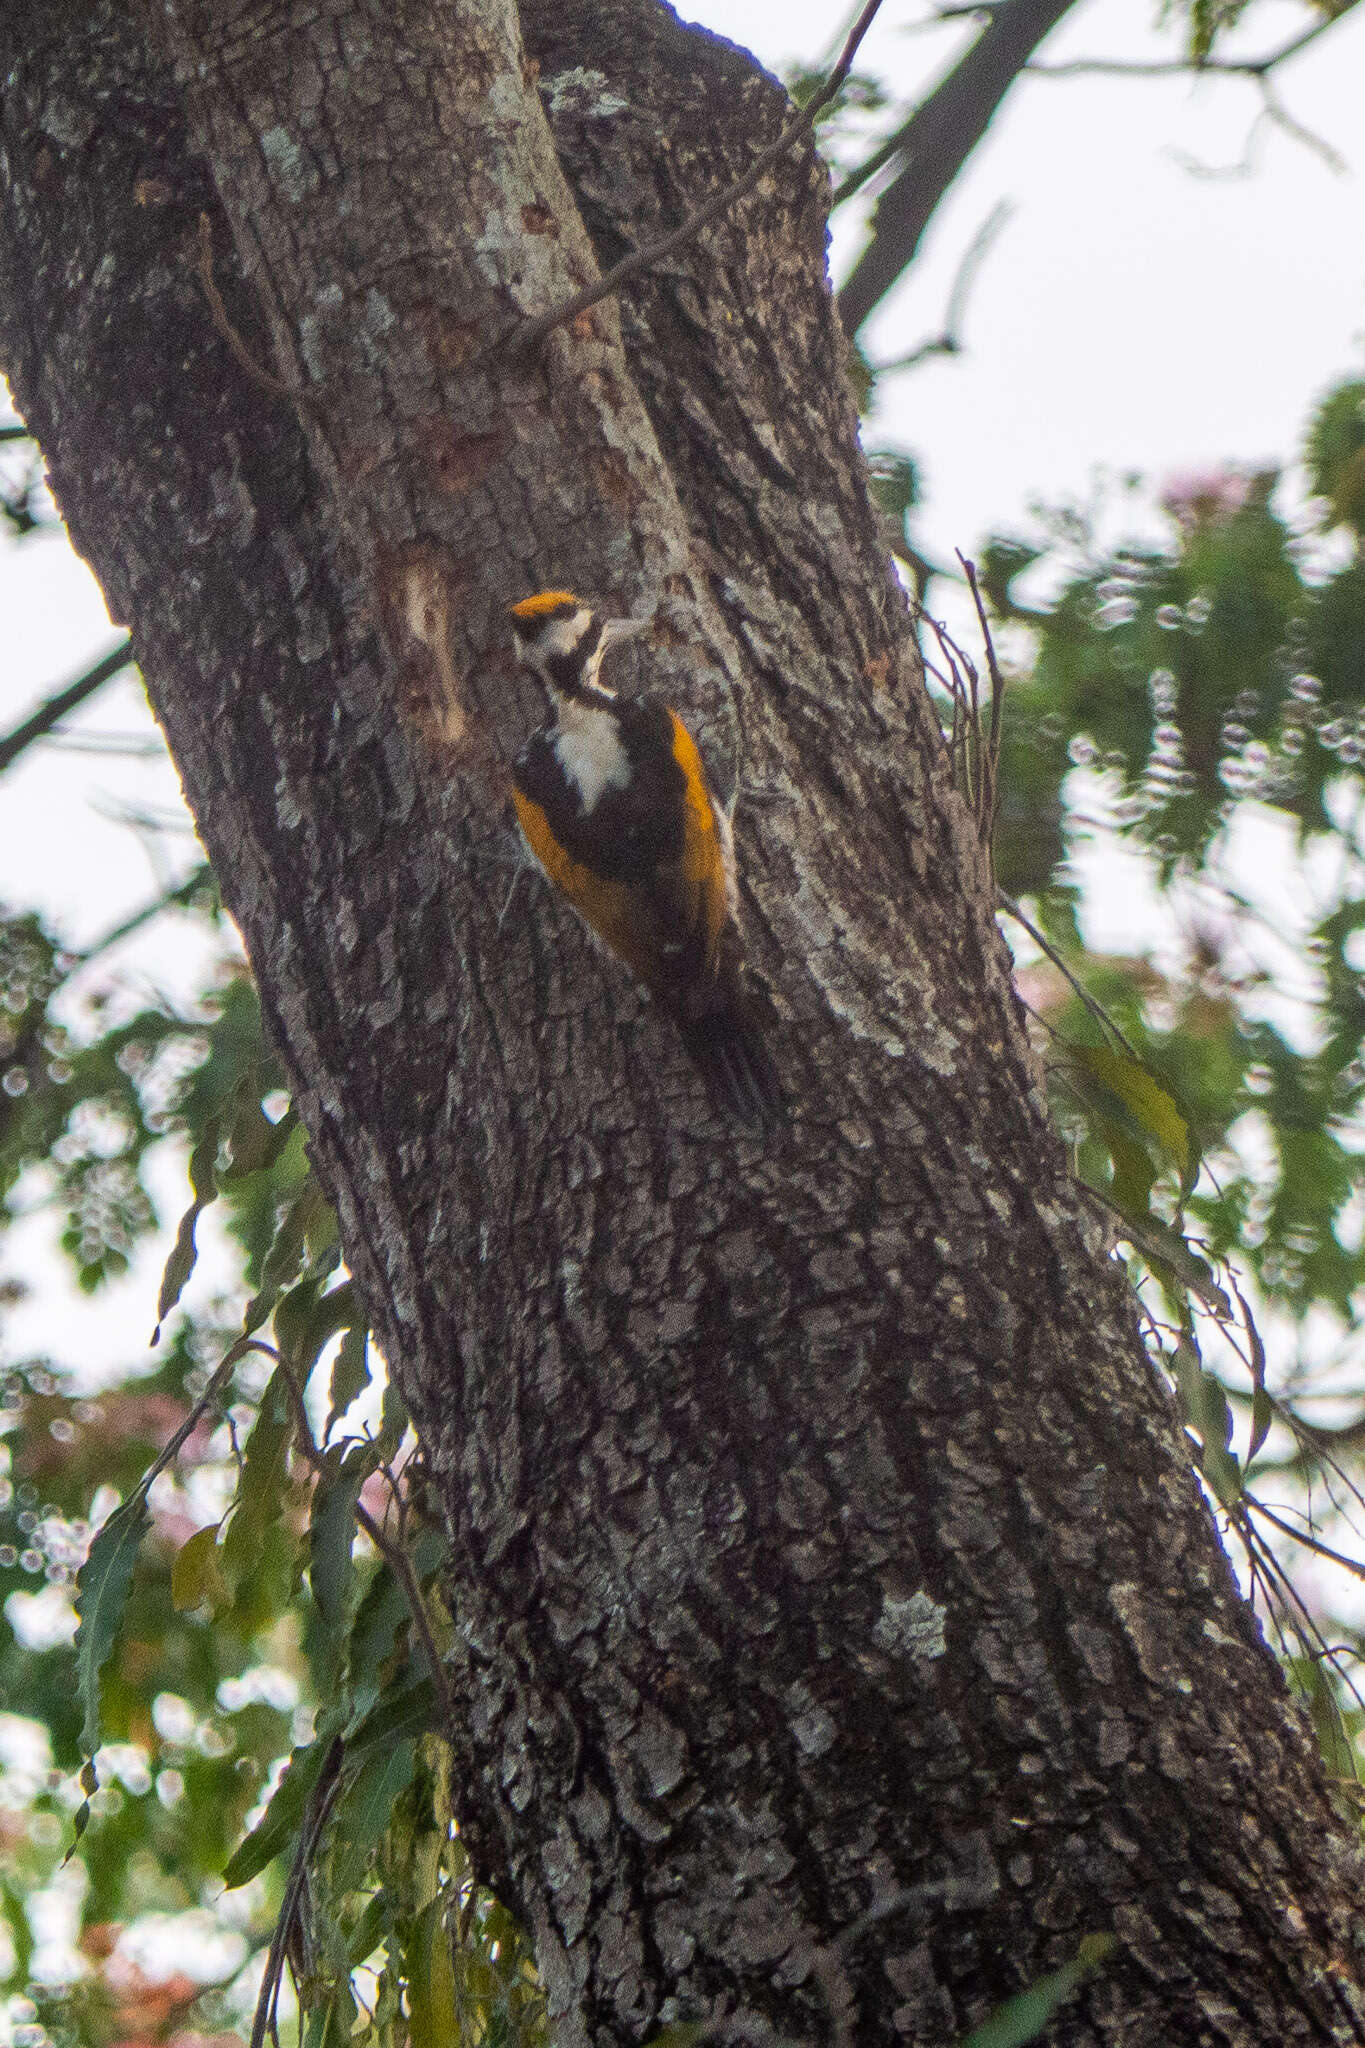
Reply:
x=561, y=640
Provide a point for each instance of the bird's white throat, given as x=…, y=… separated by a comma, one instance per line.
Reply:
x=588, y=747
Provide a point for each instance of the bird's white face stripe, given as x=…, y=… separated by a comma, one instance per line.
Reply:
x=556, y=636
x=588, y=748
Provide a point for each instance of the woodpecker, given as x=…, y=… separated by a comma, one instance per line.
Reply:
x=614, y=803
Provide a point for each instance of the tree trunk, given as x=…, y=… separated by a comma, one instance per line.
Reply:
x=821, y=1537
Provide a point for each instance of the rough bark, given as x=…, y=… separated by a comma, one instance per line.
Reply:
x=818, y=1526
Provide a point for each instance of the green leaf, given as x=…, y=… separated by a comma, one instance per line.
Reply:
x=393, y=1419
x=380, y=1618
x=331, y=1532
x=1180, y=1266
x=394, y=1716
x=279, y=1824
x=364, y=1811
x=1205, y=1409
x=331, y=2022
x=1262, y=1415
x=101, y=1595
x=196, y=1580
x=184, y=1252
x=261, y=1486
x=1262, y=1407
x=1130, y=1189
x=293, y=1311
x=318, y=2026
x=1335, y=454
x=370, y=1929
x=434, y=2021
x=306, y=1320
x=1023, y=2018
x=1308, y=1677
x=1150, y=1105
x=21, y=1934
x=286, y=1251
x=254, y=1143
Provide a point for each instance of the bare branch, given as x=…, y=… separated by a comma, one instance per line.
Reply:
x=949, y=342
x=936, y=142
x=534, y=331
x=1092, y=1003
x=1175, y=67
x=1307, y=1539
x=180, y=897
x=54, y=709
x=991, y=757
x=319, y=1806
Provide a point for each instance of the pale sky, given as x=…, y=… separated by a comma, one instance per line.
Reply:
x=1131, y=316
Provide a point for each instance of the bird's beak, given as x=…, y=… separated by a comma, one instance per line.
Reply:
x=615, y=631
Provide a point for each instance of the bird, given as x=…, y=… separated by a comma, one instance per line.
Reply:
x=614, y=802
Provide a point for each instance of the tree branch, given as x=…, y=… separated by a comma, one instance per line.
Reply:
x=1095, y=1007
x=51, y=713
x=1307, y=1539
x=198, y=883
x=949, y=342
x=533, y=332
x=935, y=143
x=1171, y=67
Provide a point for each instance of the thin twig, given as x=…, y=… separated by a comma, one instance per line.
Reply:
x=963, y=687
x=170, y=1450
x=534, y=331
x=181, y=895
x=401, y=1565
x=1307, y=1539
x=319, y=1806
x=1274, y=110
x=1315, y=1447
x=992, y=755
x=1095, y=1007
x=54, y=708
x=108, y=746
x=1311, y=1639
x=949, y=342
x=1172, y=67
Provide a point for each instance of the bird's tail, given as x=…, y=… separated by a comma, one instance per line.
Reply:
x=727, y=1046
